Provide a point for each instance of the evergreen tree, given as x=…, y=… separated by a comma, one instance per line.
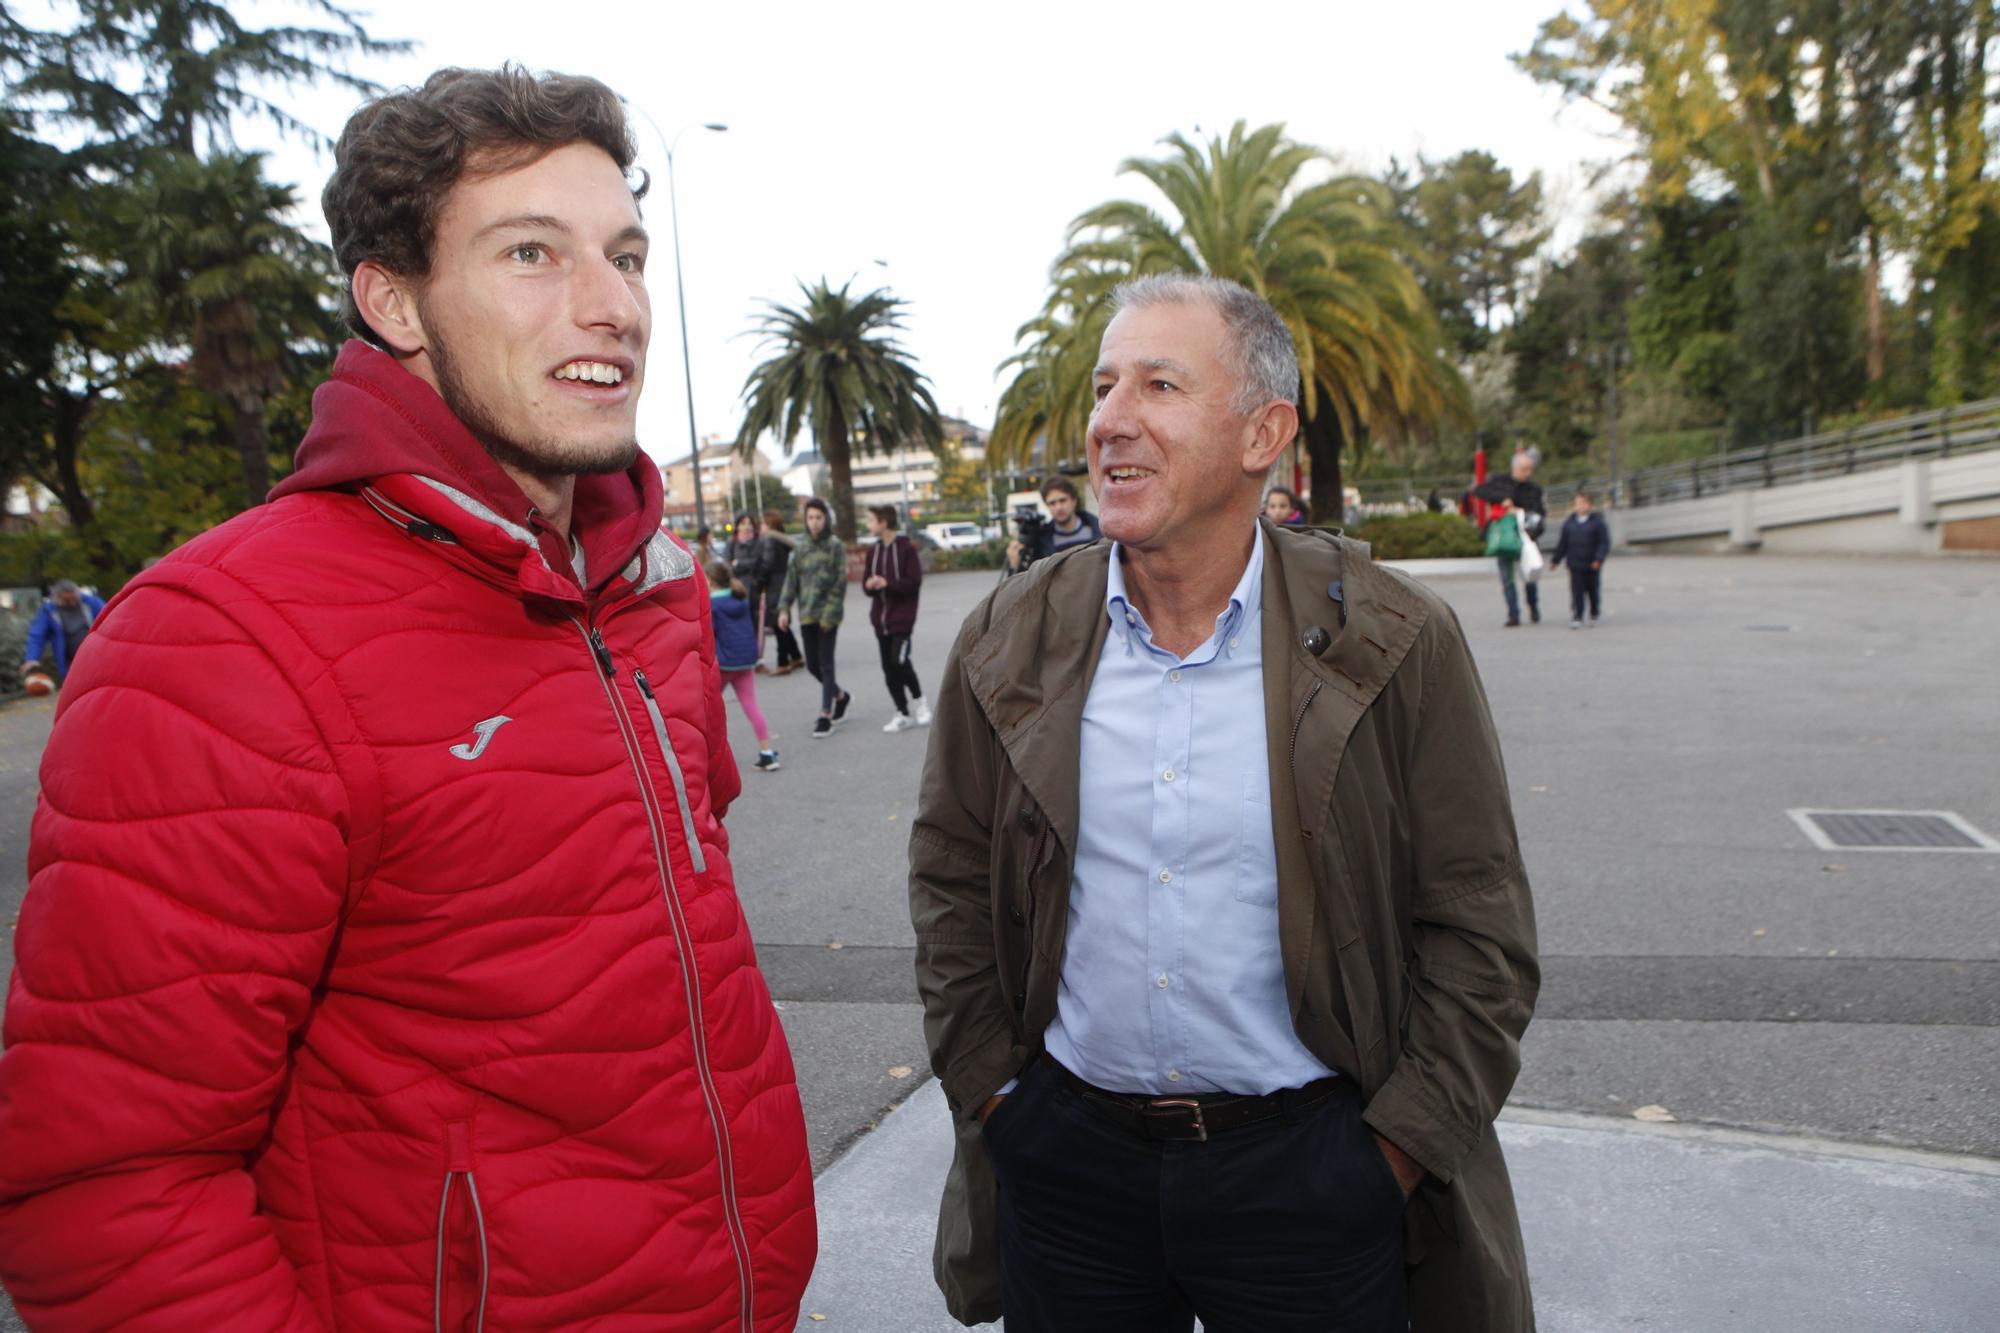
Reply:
x=150, y=74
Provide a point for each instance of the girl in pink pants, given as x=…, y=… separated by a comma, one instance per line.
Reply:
x=736, y=653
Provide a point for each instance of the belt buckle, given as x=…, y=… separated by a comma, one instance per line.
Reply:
x=1200, y=1128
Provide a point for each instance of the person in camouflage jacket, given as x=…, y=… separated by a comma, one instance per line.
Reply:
x=816, y=584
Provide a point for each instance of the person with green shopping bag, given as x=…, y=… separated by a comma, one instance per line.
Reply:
x=1516, y=520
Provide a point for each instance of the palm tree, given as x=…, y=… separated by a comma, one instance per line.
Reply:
x=213, y=258
x=1328, y=256
x=836, y=364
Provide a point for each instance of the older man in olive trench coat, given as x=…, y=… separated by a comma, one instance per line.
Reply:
x=1404, y=917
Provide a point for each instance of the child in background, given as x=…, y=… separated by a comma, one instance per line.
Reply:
x=1584, y=546
x=736, y=653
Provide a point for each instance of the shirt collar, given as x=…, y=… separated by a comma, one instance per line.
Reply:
x=1246, y=600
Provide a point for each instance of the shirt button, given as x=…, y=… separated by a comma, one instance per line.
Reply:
x=1166, y=877
x=1174, y=676
x=1173, y=1076
x=1162, y=981
x=1232, y=641
x=1167, y=776
x=1131, y=619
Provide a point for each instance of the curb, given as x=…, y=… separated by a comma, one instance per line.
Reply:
x=1799, y=1145
x=1437, y=569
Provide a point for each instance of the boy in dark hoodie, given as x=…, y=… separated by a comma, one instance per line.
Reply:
x=891, y=578
x=1583, y=545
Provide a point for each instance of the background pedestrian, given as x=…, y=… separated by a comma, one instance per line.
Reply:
x=1583, y=546
x=746, y=562
x=1281, y=505
x=729, y=607
x=816, y=584
x=891, y=577
x=777, y=563
x=1519, y=497
x=1069, y=524
x=59, y=628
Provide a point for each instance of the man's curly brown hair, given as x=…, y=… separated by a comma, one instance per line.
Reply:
x=402, y=153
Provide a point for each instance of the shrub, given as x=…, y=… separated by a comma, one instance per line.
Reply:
x=13, y=640
x=1420, y=537
x=991, y=555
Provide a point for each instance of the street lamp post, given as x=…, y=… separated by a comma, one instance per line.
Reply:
x=680, y=293
x=902, y=446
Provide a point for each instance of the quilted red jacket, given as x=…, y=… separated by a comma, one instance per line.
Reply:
x=381, y=966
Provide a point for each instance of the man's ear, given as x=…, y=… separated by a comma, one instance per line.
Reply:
x=1277, y=427
x=389, y=304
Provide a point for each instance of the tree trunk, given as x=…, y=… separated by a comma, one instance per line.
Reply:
x=838, y=448
x=1324, y=439
x=1878, y=333
x=66, y=441
x=253, y=447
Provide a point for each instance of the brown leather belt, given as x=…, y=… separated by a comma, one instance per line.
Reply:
x=1193, y=1119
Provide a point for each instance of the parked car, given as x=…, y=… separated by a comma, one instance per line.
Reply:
x=955, y=536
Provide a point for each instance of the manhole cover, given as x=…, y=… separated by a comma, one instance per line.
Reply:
x=1892, y=831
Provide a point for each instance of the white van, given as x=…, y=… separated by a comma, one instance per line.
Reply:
x=955, y=536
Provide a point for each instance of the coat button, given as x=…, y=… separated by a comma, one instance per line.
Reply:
x=1014, y=914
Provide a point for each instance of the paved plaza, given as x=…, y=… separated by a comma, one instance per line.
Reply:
x=1824, y=1027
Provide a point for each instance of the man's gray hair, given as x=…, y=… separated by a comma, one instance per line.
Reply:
x=1267, y=365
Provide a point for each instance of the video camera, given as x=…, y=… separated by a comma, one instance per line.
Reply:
x=1028, y=523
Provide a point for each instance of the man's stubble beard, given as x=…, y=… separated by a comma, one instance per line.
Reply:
x=544, y=457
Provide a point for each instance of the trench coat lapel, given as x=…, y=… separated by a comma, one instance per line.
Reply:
x=1031, y=674
x=1312, y=705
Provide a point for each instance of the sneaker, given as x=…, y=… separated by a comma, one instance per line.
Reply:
x=840, y=705
x=1512, y=622
x=1535, y=614
x=822, y=728
x=767, y=761
x=901, y=722
x=923, y=713
x=1576, y=624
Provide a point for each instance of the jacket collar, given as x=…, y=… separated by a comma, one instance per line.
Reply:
x=1371, y=624
x=1032, y=668
x=380, y=430
x=1031, y=672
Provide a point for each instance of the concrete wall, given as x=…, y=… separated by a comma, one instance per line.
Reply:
x=1906, y=510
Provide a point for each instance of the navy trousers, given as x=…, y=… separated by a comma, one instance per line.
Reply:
x=1289, y=1225
x=1583, y=588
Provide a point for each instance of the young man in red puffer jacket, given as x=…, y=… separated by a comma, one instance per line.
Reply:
x=381, y=965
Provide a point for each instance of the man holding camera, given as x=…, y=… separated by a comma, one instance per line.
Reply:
x=1069, y=524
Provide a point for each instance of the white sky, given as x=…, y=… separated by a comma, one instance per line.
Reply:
x=956, y=142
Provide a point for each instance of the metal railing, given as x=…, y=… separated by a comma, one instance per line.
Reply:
x=1944, y=433
x=1410, y=492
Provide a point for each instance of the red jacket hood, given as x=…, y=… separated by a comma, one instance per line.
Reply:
x=374, y=419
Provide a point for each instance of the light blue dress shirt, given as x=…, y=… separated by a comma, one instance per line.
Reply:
x=1172, y=977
